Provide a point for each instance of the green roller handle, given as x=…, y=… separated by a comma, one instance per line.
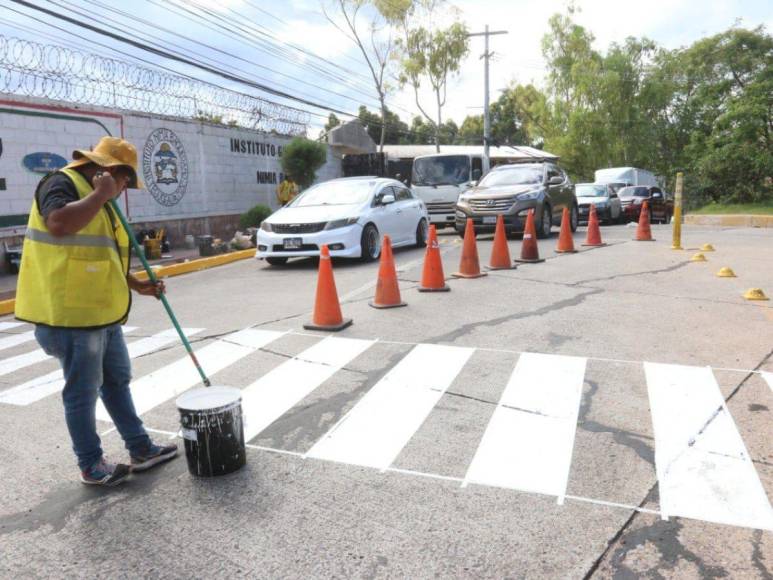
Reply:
x=152, y=277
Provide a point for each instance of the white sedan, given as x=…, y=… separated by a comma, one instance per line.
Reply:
x=350, y=215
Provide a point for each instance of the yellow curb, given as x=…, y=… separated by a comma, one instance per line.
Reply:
x=7, y=306
x=197, y=265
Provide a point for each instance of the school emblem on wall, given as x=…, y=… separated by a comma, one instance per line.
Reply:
x=165, y=167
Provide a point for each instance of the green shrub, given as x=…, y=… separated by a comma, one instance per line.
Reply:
x=252, y=217
x=301, y=158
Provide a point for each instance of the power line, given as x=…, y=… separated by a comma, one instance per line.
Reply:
x=155, y=41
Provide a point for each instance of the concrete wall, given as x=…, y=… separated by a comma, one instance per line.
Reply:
x=199, y=176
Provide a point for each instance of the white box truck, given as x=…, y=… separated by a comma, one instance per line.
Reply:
x=625, y=176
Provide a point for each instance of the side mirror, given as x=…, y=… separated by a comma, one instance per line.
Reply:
x=387, y=199
x=476, y=173
x=555, y=180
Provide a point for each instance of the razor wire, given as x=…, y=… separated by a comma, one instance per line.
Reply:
x=53, y=72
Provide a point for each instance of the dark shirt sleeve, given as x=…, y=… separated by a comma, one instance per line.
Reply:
x=55, y=191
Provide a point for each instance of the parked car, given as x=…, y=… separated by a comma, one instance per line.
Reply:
x=603, y=196
x=511, y=191
x=350, y=215
x=661, y=205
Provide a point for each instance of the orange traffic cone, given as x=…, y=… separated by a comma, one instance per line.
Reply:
x=565, y=238
x=643, y=231
x=432, y=278
x=327, y=310
x=469, y=266
x=500, y=253
x=387, y=289
x=594, y=233
x=529, y=249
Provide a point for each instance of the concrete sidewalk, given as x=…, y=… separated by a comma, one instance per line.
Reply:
x=733, y=220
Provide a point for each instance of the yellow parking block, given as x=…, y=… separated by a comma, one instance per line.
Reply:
x=196, y=265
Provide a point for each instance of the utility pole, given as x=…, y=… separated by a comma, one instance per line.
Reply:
x=486, y=120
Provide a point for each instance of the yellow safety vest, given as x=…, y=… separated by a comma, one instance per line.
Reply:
x=74, y=281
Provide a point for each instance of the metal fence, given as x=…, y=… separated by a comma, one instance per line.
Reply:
x=63, y=74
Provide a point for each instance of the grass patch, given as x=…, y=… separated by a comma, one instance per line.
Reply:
x=763, y=208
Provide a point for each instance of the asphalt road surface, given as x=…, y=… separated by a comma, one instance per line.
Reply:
x=601, y=414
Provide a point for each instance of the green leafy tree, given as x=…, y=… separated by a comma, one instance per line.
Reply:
x=301, y=158
x=431, y=57
x=471, y=130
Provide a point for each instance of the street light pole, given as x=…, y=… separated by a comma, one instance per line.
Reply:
x=486, y=119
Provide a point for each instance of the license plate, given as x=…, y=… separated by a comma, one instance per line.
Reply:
x=583, y=210
x=292, y=243
x=490, y=219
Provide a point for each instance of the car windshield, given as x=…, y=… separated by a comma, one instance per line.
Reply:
x=634, y=191
x=590, y=190
x=513, y=175
x=335, y=193
x=442, y=170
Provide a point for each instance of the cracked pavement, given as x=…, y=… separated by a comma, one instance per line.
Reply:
x=287, y=516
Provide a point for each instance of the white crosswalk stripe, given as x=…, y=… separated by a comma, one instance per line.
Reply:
x=271, y=396
x=166, y=383
x=16, y=339
x=15, y=363
x=702, y=464
x=10, y=325
x=377, y=428
x=41, y=387
x=529, y=439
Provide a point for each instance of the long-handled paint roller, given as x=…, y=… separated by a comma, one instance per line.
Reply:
x=165, y=302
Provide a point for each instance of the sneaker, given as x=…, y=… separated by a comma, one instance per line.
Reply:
x=104, y=473
x=153, y=455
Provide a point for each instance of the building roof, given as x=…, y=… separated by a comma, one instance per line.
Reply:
x=521, y=152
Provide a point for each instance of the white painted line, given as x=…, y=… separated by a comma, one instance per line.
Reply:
x=167, y=382
x=701, y=461
x=16, y=339
x=768, y=379
x=613, y=504
x=276, y=392
x=9, y=325
x=529, y=440
x=377, y=428
x=41, y=387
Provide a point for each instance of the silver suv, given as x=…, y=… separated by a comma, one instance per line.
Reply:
x=512, y=190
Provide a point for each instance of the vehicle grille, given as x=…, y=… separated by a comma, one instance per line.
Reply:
x=440, y=207
x=298, y=228
x=492, y=204
x=303, y=248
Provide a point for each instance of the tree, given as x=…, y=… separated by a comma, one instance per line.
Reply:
x=301, y=158
x=432, y=56
x=332, y=122
x=376, y=44
x=393, y=129
x=471, y=131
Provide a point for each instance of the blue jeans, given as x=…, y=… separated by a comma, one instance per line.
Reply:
x=95, y=363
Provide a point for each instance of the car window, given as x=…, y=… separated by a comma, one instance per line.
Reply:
x=632, y=190
x=512, y=175
x=336, y=192
x=477, y=163
x=590, y=190
x=403, y=194
x=553, y=172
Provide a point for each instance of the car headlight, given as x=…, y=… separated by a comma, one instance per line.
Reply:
x=342, y=223
x=464, y=198
x=527, y=196
x=265, y=226
x=460, y=214
x=637, y=200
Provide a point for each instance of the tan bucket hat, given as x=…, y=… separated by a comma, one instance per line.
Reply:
x=110, y=152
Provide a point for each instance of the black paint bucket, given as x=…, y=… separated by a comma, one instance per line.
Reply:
x=212, y=430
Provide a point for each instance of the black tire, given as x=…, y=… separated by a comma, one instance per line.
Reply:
x=574, y=217
x=370, y=244
x=545, y=223
x=460, y=232
x=422, y=233
x=276, y=261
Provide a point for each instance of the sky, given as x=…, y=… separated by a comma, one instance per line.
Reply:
x=291, y=45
